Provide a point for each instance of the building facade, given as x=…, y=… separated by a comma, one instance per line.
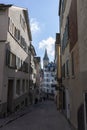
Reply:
x=15, y=39
x=33, y=66
x=38, y=78
x=73, y=35
x=32, y=73
x=49, y=81
x=58, y=95
x=38, y=70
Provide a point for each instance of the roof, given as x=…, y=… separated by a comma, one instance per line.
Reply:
x=28, y=23
x=5, y=6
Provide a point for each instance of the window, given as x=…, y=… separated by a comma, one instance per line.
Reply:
x=27, y=85
x=10, y=25
x=67, y=68
x=22, y=22
x=52, y=91
x=18, y=34
x=52, y=74
x=10, y=59
x=18, y=63
x=72, y=63
x=64, y=100
x=52, y=80
x=53, y=85
x=25, y=67
x=63, y=5
x=31, y=70
x=47, y=80
x=63, y=71
x=23, y=85
x=24, y=44
x=47, y=85
x=65, y=35
x=13, y=30
x=73, y=24
x=13, y=27
x=18, y=87
x=7, y=57
x=47, y=75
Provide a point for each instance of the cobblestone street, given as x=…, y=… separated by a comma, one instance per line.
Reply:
x=42, y=116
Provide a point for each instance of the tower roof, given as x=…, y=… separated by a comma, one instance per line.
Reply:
x=45, y=55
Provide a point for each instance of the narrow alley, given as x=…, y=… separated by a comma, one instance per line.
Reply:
x=42, y=116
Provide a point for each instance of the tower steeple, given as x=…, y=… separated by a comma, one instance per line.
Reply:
x=45, y=55
x=45, y=59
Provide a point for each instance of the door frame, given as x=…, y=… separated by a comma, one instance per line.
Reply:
x=67, y=104
x=12, y=94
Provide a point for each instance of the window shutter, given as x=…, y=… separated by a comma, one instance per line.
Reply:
x=7, y=57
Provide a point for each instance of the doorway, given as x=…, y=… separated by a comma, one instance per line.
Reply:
x=85, y=110
x=67, y=104
x=10, y=96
